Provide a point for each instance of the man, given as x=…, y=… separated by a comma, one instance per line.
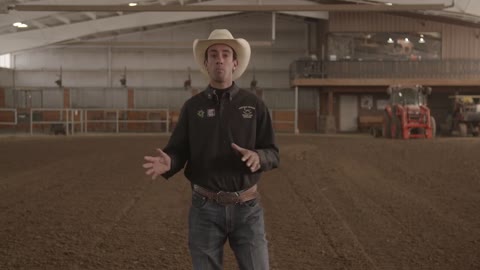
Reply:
x=224, y=135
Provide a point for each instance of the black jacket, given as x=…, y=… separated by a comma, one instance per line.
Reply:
x=205, y=130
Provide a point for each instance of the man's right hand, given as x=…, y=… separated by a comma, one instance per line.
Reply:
x=157, y=165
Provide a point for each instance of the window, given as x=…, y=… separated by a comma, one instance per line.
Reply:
x=5, y=61
x=384, y=46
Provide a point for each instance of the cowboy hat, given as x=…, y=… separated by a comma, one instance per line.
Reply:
x=223, y=36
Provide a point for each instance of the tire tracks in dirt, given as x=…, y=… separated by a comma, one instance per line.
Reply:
x=313, y=206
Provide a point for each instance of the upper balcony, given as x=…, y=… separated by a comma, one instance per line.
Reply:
x=453, y=72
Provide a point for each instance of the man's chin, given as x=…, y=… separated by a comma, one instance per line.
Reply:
x=220, y=79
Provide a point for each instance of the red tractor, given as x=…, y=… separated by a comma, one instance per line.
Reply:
x=407, y=115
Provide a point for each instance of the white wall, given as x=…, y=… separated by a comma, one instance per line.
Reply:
x=165, y=55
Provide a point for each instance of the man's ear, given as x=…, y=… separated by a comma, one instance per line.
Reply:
x=235, y=64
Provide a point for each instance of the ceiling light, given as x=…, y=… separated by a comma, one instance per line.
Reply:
x=132, y=4
x=389, y=4
x=20, y=25
x=390, y=40
x=406, y=40
x=421, y=40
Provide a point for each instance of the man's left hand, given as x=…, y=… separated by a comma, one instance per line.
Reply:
x=251, y=158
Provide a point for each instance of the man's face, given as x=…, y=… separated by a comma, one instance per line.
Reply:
x=220, y=63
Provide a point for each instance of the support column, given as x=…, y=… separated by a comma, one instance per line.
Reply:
x=259, y=93
x=130, y=98
x=194, y=91
x=66, y=98
x=296, y=111
x=330, y=102
x=327, y=122
x=2, y=98
x=330, y=123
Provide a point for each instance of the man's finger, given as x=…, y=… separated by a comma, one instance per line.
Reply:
x=247, y=156
x=150, y=171
x=250, y=160
x=241, y=150
x=151, y=159
x=147, y=165
x=162, y=154
x=255, y=168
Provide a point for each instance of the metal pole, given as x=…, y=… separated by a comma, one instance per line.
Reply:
x=273, y=26
x=86, y=121
x=168, y=120
x=117, y=119
x=31, y=121
x=67, y=128
x=296, y=110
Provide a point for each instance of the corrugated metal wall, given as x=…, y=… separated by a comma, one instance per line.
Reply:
x=161, y=98
x=99, y=98
x=284, y=99
x=457, y=41
x=6, y=77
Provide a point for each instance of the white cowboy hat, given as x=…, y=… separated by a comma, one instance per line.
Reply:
x=223, y=36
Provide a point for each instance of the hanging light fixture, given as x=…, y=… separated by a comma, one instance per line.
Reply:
x=421, y=40
x=390, y=40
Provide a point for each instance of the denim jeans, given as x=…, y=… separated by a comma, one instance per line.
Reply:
x=211, y=224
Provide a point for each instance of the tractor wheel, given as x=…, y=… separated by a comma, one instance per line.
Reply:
x=386, y=128
x=397, y=124
x=433, y=126
x=463, y=129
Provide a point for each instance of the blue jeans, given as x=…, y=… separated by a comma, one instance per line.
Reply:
x=211, y=224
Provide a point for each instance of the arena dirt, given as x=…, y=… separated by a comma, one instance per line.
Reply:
x=336, y=202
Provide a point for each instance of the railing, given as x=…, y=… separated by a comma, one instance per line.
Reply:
x=70, y=121
x=127, y=120
x=55, y=119
x=449, y=69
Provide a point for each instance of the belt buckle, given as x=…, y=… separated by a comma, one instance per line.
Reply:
x=226, y=198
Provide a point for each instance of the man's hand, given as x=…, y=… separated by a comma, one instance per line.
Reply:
x=157, y=165
x=251, y=158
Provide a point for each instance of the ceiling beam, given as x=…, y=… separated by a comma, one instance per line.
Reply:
x=38, y=24
x=238, y=8
x=65, y=20
x=91, y=15
x=25, y=40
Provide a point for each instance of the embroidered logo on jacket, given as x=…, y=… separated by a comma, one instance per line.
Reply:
x=247, y=111
x=211, y=112
x=201, y=113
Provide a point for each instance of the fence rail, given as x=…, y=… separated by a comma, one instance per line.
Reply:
x=8, y=116
x=70, y=121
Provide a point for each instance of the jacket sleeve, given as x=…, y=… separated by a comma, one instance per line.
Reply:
x=265, y=140
x=178, y=145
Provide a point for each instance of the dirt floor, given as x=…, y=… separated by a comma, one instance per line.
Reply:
x=337, y=202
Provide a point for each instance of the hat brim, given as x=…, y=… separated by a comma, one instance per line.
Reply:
x=239, y=45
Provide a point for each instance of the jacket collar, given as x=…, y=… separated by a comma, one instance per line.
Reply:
x=230, y=91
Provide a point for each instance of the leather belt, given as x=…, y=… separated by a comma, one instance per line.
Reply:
x=227, y=198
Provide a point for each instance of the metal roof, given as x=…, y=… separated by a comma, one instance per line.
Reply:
x=55, y=21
